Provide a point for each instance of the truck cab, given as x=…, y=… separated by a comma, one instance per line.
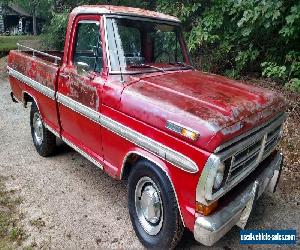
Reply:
x=196, y=149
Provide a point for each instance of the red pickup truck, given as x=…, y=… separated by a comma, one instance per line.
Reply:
x=197, y=149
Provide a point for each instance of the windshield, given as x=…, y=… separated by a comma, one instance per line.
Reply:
x=136, y=45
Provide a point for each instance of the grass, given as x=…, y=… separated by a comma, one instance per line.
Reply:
x=10, y=232
x=8, y=43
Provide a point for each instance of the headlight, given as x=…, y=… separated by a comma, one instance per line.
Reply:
x=212, y=178
x=219, y=176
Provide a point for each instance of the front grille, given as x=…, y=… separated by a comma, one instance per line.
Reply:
x=246, y=154
x=272, y=140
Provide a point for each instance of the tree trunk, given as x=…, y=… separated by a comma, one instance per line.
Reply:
x=34, y=26
x=2, y=28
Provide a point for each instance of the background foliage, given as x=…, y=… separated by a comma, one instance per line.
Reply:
x=231, y=37
x=235, y=37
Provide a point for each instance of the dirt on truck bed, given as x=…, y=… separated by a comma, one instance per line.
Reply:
x=67, y=202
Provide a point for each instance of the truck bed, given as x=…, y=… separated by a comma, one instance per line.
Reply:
x=38, y=67
x=33, y=75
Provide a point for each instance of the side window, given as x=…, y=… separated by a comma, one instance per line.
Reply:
x=88, y=47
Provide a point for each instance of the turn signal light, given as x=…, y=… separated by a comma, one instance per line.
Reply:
x=190, y=134
x=184, y=131
x=206, y=210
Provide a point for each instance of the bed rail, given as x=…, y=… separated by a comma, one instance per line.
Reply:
x=34, y=51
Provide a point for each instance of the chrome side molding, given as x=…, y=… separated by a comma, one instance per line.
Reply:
x=162, y=151
x=32, y=83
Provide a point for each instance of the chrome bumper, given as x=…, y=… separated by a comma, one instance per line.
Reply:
x=209, y=229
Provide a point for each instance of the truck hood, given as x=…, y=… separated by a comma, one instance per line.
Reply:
x=210, y=104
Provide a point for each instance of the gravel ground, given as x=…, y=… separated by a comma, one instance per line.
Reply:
x=67, y=202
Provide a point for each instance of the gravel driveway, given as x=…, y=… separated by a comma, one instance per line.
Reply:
x=67, y=202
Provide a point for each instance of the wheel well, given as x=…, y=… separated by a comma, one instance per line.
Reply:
x=130, y=160
x=27, y=98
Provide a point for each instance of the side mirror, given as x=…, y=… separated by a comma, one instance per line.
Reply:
x=82, y=67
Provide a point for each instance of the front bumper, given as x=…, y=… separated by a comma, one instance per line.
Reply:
x=209, y=229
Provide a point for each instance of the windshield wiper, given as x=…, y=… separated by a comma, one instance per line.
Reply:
x=145, y=66
x=182, y=64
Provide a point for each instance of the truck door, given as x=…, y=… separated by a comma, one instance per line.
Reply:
x=80, y=88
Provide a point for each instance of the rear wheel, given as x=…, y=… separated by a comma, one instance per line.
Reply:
x=153, y=207
x=43, y=140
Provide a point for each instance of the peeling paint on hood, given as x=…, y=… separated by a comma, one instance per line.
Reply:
x=207, y=103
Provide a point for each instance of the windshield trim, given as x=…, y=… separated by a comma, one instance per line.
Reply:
x=120, y=72
x=143, y=18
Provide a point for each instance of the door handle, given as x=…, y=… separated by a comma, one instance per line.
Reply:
x=65, y=76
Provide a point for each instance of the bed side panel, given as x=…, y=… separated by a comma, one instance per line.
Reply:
x=37, y=78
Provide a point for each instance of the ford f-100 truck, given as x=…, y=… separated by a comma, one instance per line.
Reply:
x=196, y=149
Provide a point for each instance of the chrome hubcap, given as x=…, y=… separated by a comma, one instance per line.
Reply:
x=149, y=206
x=38, y=128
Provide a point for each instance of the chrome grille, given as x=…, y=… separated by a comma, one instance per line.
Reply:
x=245, y=155
x=243, y=159
x=272, y=140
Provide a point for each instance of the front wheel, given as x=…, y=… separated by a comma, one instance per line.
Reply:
x=153, y=207
x=43, y=140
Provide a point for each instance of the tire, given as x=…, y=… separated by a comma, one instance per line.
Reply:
x=43, y=140
x=161, y=226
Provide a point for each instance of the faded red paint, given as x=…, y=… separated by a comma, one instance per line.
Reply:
x=122, y=10
x=207, y=103
x=41, y=71
x=36, y=68
x=219, y=108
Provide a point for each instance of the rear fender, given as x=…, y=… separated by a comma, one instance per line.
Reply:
x=28, y=97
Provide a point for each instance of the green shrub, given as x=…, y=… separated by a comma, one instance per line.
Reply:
x=54, y=33
x=290, y=69
x=293, y=59
x=235, y=37
x=293, y=84
x=224, y=36
x=274, y=71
